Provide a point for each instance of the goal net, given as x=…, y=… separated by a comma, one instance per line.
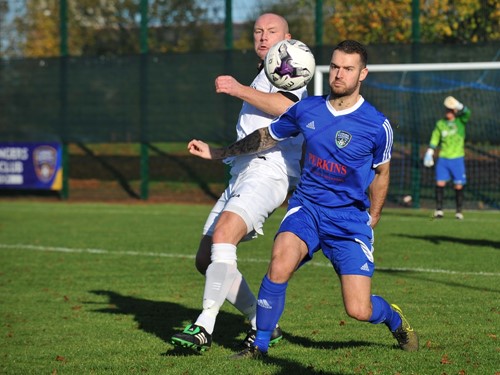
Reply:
x=411, y=96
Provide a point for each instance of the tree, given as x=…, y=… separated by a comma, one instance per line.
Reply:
x=104, y=27
x=101, y=27
x=389, y=21
x=460, y=21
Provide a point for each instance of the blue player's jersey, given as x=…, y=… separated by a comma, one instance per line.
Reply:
x=342, y=148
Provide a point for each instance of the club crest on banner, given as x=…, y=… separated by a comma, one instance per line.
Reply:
x=45, y=162
x=342, y=138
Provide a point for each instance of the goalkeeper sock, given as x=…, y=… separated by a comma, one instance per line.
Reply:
x=459, y=199
x=439, y=197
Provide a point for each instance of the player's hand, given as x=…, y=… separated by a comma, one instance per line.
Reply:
x=227, y=85
x=199, y=148
x=428, y=158
x=451, y=103
x=374, y=220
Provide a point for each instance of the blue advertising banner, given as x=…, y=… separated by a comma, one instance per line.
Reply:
x=31, y=166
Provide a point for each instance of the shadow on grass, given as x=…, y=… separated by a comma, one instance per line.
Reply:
x=329, y=345
x=464, y=241
x=420, y=276
x=163, y=319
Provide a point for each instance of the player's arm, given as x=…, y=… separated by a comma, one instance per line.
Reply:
x=465, y=114
x=272, y=103
x=378, y=191
x=257, y=141
x=460, y=109
x=434, y=142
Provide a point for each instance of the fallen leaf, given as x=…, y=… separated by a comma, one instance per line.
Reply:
x=445, y=360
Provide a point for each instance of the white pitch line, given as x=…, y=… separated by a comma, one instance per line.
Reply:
x=244, y=260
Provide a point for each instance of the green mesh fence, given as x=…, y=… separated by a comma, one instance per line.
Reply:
x=170, y=97
x=103, y=99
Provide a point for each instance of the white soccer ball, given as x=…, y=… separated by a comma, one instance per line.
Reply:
x=289, y=64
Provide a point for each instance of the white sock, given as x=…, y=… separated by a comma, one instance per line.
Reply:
x=219, y=277
x=241, y=297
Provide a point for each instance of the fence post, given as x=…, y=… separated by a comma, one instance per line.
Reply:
x=144, y=101
x=63, y=94
x=319, y=23
x=415, y=142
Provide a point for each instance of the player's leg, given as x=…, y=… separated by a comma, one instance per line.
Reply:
x=202, y=260
x=219, y=276
x=459, y=181
x=459, y=201
x=258, y=192
x=204, y=253
x=360, y=304
x=442, y=176
x=196, y=336
x=288, y=251
x=352, y=258
x=222, y=270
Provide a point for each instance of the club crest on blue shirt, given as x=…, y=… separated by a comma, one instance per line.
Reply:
x=342, y=138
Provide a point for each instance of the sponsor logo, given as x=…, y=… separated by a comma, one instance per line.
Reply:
x=365, y=267
x=327, y=165
x=342, y=138
x=45, y=161
x=264, y=304
x=311, y=125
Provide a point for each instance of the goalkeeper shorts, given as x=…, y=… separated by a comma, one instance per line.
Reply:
x=451, y=169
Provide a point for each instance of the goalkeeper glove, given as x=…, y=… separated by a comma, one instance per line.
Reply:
x=451, y=103
x=428, y=158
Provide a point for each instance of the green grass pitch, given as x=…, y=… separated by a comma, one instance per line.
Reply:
x=100, y=288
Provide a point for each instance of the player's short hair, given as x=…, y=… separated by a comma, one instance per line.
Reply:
x=352, y=46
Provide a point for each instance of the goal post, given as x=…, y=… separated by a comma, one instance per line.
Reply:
x=488, y=65
x=411, y=96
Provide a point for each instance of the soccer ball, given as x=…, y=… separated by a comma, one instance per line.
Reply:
x=289, y=64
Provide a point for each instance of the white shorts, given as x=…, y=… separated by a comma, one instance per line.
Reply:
x=253, y=194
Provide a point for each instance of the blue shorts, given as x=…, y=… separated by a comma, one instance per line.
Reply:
x=344, y=235
x=451, y=169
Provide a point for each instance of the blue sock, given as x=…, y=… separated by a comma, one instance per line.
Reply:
x=270, y=306
x=383, y=313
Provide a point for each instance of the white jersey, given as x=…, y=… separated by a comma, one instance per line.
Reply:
x=287, y=153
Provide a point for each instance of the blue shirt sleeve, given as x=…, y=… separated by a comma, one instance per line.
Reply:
x=383, y=148
x=286, y=125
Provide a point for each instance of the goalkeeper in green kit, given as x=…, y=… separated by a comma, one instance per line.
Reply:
x=449, y=135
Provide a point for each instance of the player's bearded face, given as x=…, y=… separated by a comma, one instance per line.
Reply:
x=346, y=74
x=344, y=89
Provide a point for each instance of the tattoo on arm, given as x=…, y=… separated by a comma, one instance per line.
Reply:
x=257, y=141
